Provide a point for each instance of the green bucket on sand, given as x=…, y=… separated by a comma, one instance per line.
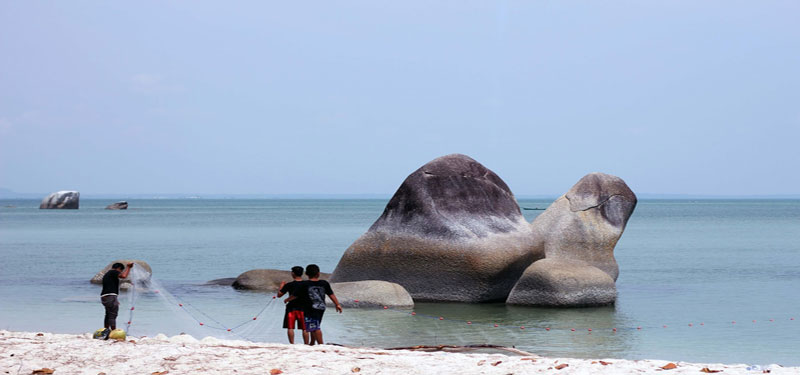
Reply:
x=116, y=334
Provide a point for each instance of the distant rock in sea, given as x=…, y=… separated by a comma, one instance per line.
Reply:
x=266, y=279
x=452, y=232
x=371, y=293
x=121, y=205
x=126, y=282
x=67, y=199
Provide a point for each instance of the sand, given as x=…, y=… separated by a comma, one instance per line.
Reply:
x=24, y=352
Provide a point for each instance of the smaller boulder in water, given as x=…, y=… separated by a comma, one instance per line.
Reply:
x=266, y=279
x=126, y=282
x=121, y=205
x=66, y=199
x=371, y=293
x=563, y=283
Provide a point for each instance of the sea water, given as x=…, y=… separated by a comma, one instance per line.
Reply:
x=689, y=269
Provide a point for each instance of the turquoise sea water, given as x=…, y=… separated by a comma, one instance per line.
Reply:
x=707, y=263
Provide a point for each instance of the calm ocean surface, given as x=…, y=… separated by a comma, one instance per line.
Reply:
x=706, y=262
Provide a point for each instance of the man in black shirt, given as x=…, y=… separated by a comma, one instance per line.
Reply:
x=108, y=297
x=312, y=293
x=294, y=308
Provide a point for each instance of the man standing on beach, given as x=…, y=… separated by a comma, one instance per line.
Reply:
x=294, y=307
x=312, y=293
x=108, y=297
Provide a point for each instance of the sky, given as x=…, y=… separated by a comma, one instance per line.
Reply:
x=267, y=97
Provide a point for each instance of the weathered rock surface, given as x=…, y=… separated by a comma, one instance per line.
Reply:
x=266, y=279
x=563, y=283
x=586, y=223
x=452, y=232
x=66, y=199
x=126, y=282
x=121, y=205
x=371, y=293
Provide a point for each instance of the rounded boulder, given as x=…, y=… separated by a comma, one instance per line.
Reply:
x=563, y=283
x=586, y=223
x=266, y=279
x=371, y=293
x=452, y=232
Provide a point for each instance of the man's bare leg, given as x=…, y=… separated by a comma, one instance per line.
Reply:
x=317, y=336
x=290, y=333
x=305, y=337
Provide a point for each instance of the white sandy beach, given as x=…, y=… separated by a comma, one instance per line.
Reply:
x=25, y=352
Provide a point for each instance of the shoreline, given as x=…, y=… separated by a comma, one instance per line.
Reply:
x=24, y=352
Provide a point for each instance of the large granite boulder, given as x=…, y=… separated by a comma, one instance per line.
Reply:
x=121, y=205
x=586, y=222
x=126, y=282
x=452, y=232
x=563, y=283
x=371, y=293
x=66, y=199
x=266, y=279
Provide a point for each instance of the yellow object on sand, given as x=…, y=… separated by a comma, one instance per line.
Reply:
x=98, y=334
x=117, y=334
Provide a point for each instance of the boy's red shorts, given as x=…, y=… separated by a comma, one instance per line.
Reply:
x=294, y=316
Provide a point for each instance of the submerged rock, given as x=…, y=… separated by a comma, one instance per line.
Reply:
x=126, y=282
x=563, y=283
x=266, y=279
x=452, y=232
x=66, y=199
x=371, y=293
x=121, y=205
x=226, y=281
x=586, y=223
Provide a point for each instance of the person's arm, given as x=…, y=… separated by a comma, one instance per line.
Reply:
x=125, y=273
x=336, y=301
x=290, y=299
x=281, y=291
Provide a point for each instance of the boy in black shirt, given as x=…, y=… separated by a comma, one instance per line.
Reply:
x=313, y=292
x=108, y=297
x=294, y=308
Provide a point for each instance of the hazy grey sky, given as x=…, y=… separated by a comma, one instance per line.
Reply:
x=699, y=97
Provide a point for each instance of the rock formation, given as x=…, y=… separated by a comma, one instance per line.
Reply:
x=577, y=234
x=452, y=232
x=126, y=282
x=563, y=283
x=586, y=222
x=121, y=205
x=371, y=293
x=266, y=279
x=63, y=200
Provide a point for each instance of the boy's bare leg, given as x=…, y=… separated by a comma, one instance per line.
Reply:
x=317, y=335
x=312, y=339
x=290, y=333
x=305, y=337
